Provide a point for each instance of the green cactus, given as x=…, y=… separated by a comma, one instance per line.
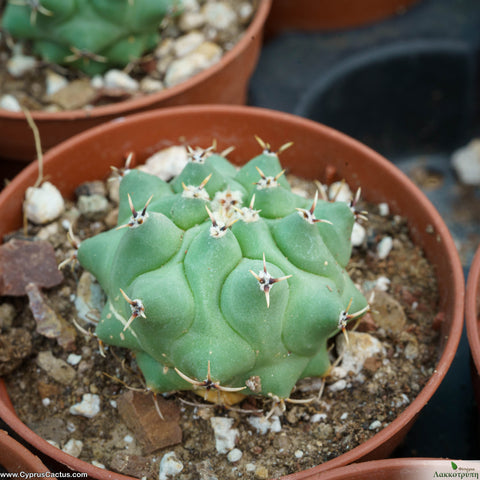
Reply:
x=224, y=278
x=91, y=35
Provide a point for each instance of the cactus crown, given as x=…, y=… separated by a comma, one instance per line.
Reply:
x=91, y=35
x=224, y=278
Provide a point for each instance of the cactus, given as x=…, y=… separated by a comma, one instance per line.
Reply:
x=223, y=278
x=91, y=35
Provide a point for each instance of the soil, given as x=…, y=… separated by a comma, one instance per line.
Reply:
x=332, y=423
x=30, y=90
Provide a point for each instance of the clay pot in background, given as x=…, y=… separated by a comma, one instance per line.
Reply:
x=226, y=82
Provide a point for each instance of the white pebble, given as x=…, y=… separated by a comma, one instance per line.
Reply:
x=54, y=443
x=318, y=417
x=128, y=439
x=188, y=43
x=195, y=62
x=264, y=425
x=96, y=463
x=466, y=162
x=54, y=82
x=43, y=204
x=383, y=209
x=340, y=191
x=358, y=235
x=97, y=82
x=10, y=103
x=219, y=15
x=374, y=425
x=88, y=407
x=166, y=163
x=360, y=347
x=344, y=416
x=20, y=64
x=169, y=466
x=338, y=386
x=384, y=247
x=117, y=79
x=234, y=455
x=46, y=402
x=151, y=85
x=250, y=467
x=73, y=447
x=225, y=435
x=298, y=454
x=74, y=359
x=382, y=283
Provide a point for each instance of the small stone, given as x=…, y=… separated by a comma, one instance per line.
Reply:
x=298, y=453
x=375, y=425
x=96, y=187
x=388, y=313
x=190, y=21
x=95, y=463
x=73, y=447
x=384, y=247
x=358, y=235
x=90, y=298
x=338, y=386
x=43, y=204
x=186, y=67
x=56, y=368
x=264, y=425
x=74, y=359
x=383, y=209
x=76, y=94
x=170, y=465
x=340, y=192
x=151, y=85
x=93, y=207
x=261, y=472
x=54, y=82
x=188, y=43
x=132, y=465
x=7, y=314
x=118, y=79
x=166, y=163
x=49, y=323
x=225, y=435
x=360, y=347
x=234, y=455
x=15, y=346
x=142, y=417
x=88, y=407
x=23, y=262
x=97, y=82
x=10, y=103
x=466, y=162
x=18, y=65
x=219, y=15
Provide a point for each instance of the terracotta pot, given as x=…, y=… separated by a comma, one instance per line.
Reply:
x=472, y=319
x=329, y=14
x=15, y=458
x=319, y=152
x=390, y=469
x=225, y=82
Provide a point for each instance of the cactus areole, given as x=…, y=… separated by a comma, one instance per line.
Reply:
x=223, y=278
x=91, y=35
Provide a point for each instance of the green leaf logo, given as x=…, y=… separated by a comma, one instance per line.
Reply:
x=454, y=466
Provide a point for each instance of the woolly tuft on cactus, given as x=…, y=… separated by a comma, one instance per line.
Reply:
x=91, y=35
x=223, y=278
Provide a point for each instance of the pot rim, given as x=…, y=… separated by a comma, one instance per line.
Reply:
x=471, y=311
x=145, y=101
x=14, y=453
x=443, y=237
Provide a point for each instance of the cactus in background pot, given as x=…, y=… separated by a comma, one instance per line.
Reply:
x=91, y=35
x=223, y=279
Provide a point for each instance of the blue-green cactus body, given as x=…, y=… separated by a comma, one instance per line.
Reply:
x=91, y=35
x=196, y=262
